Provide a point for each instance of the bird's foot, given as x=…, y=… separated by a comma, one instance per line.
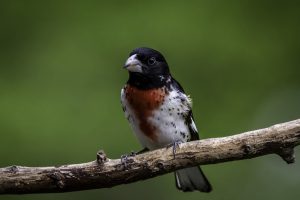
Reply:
x=174, y=146
x=126, y=159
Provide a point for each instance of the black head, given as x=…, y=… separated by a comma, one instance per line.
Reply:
x=147, y=68
x=147, y=62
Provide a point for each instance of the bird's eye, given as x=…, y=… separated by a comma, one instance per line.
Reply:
x=152, y=61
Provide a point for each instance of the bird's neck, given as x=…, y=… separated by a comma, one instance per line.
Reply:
x=148, y=81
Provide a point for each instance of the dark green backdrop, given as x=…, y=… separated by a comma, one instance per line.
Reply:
x=61, y=75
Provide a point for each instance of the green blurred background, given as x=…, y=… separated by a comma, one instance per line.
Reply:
x=61, y=75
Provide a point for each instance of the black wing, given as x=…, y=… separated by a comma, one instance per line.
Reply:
x=176, y=85
x=192, y=127
x=189, y=118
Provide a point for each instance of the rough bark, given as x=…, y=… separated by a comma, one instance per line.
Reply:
x=279, y=139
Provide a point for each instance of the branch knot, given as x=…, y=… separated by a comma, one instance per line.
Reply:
x=287, y=154
x=58, y=177
x=101, y=157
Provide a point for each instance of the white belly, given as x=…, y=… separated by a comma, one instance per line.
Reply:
x=168, y=120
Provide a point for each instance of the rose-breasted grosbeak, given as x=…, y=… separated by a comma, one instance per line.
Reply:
x=159, y=111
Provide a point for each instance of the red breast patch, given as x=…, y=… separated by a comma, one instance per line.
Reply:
x=143, y=103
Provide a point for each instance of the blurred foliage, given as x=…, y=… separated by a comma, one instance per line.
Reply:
x=61, y=75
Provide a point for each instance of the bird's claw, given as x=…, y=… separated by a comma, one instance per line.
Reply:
x=125, y=159
x=174, y=146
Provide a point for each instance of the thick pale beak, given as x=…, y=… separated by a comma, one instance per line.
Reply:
x=132, y=64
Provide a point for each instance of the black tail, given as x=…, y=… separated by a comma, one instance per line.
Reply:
x=191, y=179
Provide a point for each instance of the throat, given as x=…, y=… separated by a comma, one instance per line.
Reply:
x=148, y=81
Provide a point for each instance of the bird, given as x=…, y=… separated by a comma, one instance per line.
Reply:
x=159, y=112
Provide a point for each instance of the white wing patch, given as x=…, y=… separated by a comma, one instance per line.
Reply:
x=193, y=126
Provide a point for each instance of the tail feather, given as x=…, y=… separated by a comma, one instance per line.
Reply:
x=190, y=179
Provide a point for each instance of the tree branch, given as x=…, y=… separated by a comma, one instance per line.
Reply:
x=279, y=139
